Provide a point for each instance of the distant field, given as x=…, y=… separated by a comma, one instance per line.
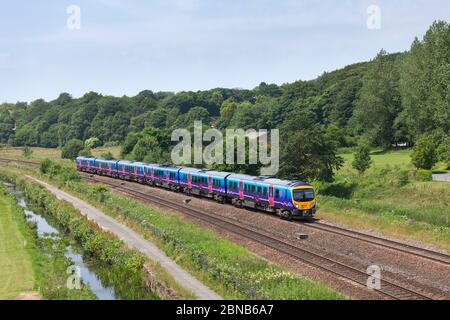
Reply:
x=38, y=153
x=400, y=158
x=53, y=154
x=16, y=274
x=115, y=151
x=389, y=200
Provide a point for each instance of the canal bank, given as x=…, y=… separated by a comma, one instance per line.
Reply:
x=134, y=240
x=82, y=270
x=106, y=268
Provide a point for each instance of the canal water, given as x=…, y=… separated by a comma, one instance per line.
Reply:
x=46, y=230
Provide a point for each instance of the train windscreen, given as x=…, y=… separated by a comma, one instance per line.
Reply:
x=303, y=195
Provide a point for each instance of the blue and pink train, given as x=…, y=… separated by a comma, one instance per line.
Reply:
x=287, y=199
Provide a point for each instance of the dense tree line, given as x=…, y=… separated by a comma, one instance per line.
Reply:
x=393, y=99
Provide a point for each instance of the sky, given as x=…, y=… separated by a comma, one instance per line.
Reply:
x=121, y=47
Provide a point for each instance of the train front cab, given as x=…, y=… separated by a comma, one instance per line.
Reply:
x=304, y=201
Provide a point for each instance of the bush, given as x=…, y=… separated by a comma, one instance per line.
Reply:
x=362, y=160
x=64, y=173
x=107, y=155
x=72, y=148
x=443, y=152
x=402, y=178
x=424, y=155
x=85, y=153
x=424, y=175
x=93, y=142
x=27, y=152
x=111, y=144
x=45, y=166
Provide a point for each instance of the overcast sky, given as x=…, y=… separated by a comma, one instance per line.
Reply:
x=126, y=46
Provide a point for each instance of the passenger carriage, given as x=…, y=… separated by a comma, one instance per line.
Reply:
x=86, y=164
x=209, y=184
x=126, y=170
x=166, y=177
x=106, y=167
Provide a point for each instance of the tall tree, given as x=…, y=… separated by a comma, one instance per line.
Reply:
x=307, y=153
x=379, y=102
x=425, y=83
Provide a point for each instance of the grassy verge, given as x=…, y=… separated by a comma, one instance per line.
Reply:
x=391, y=200
x=16, y=272
x=227, y=268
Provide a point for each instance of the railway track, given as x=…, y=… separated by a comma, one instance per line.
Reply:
x=387, y=288
x=383, y=242
x=26, y=162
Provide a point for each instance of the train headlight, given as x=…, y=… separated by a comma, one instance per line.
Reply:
x=296, y=206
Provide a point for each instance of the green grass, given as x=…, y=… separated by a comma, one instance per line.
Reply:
x=16, y=272
x=390, y=199
x=38, y=153
x=381, y=159
x=50, y=153
x=115, y=151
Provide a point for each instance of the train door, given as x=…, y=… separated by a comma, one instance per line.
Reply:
x=241, y=189
x=152, y=174
x=189, y=180
x=210, y=186
x=167, y=176
x=271, y=200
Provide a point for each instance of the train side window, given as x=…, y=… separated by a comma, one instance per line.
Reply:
x=259, y=190
x=277, y=194
x=253, y=188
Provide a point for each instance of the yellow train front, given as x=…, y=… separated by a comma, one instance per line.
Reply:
x=304, y=200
